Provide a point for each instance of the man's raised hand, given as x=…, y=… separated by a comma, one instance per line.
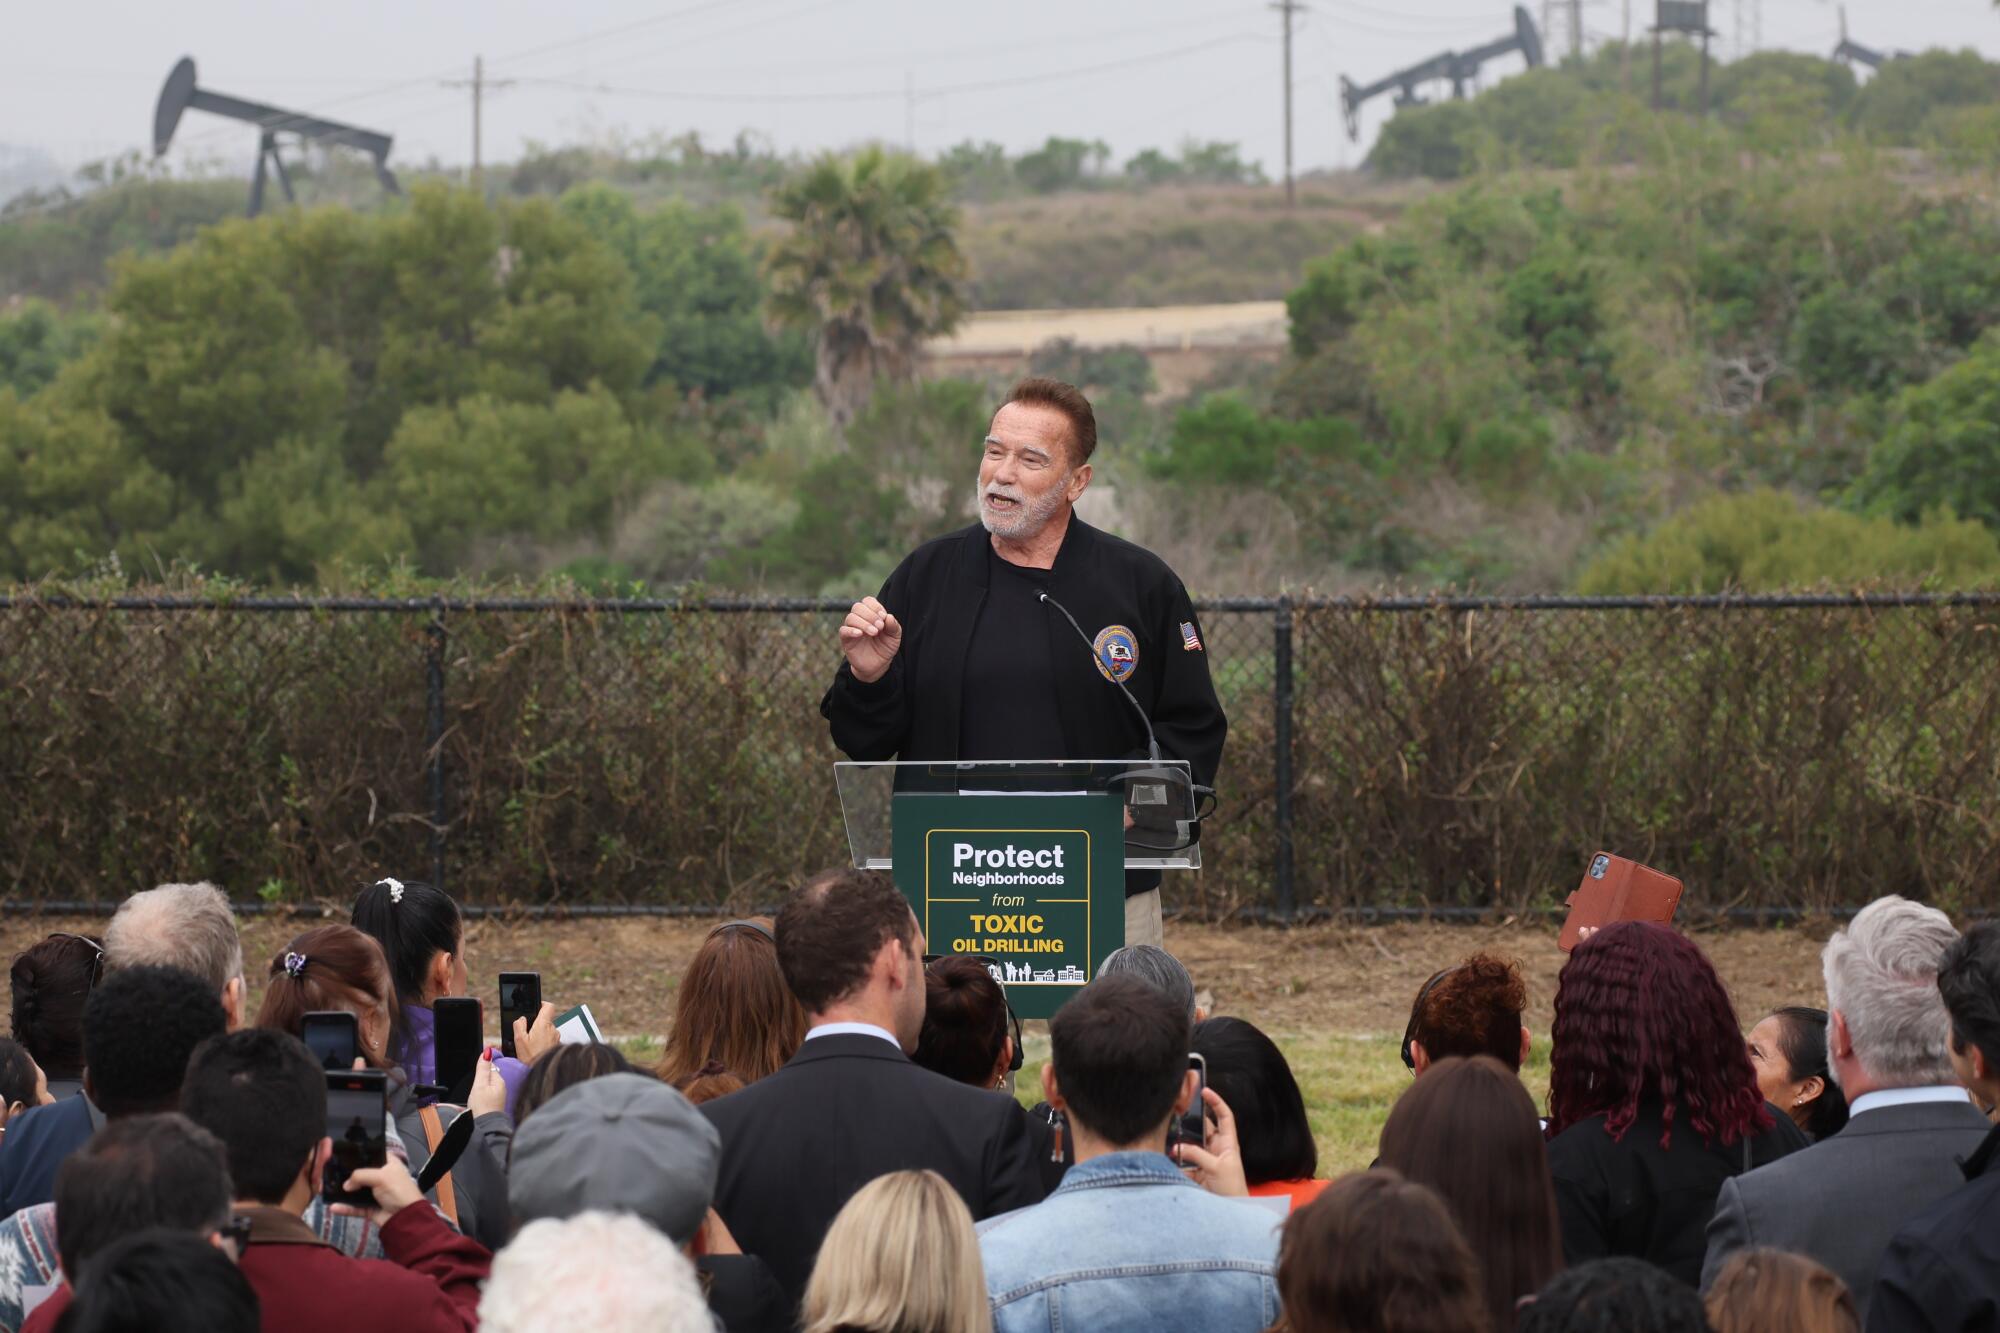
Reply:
x=870, y=637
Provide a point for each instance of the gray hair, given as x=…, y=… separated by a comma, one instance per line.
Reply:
x=188, y=926
x=1157, y=968
x=606, y=1272
x=1881, y=975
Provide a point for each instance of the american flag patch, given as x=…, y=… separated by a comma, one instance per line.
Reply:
x=1190, y=641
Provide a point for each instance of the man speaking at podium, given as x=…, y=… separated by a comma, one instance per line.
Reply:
x=967, y=655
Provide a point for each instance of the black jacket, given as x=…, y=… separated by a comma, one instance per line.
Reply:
x=1631, y=1197
x=1942, y=1270
x=797, y=1145
x=912, y=712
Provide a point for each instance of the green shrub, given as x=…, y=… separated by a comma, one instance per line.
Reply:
x=1766, y=541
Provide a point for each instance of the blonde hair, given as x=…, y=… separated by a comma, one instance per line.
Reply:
x=900, y=1258
x=1770, y=1291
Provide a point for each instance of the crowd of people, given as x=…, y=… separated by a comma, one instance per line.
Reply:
x=834, y=1142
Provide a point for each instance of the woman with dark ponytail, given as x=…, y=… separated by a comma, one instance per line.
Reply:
x=423, y=938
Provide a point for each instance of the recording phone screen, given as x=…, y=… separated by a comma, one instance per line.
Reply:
x=357, y=1122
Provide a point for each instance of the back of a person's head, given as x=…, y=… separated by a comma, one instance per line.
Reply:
x=331, y=968
x=137, y=1173
x=1467, y=1129
x=50, y=982
x=263, y=1094
x=1158, y=968
x=188, y=926
x=1771, y=1291
x=733, y=1008
x=563, y=1067
x=596, y=1272
x=1472, y=1009
x=1614, y=1296
x=1119, y=1051
x=139, y=1028
x=1802, y=1045
x=832, y=927
x=19, y=1077
x=1249, y=1072
x=965, y=1022
x=1968, y=982
x=1641, y=1018
x=1881, y=977
x=162, y=1281
x=413, y=922
x=1375, y=1253
x=901, y=1257
x=624, y=1143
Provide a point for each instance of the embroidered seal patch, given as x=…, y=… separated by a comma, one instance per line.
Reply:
x=1117, y=652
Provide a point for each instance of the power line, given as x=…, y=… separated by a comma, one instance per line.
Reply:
x=891, y=94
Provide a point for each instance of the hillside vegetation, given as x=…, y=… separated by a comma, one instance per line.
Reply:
x=1673, y=354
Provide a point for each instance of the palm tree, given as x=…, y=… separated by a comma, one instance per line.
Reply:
x=871, y=268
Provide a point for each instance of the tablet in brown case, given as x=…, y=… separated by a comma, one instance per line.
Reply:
x=1615, y=889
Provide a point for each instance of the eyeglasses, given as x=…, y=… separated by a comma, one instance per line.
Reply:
x=236, y=1231
x=96, y=949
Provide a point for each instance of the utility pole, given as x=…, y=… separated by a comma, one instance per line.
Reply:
x=1625, y=53
x=1576, y=28
x=1286, y=8
x=479, y=84
x=910, y=112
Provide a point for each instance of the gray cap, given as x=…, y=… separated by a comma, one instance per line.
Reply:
x=623, y=1143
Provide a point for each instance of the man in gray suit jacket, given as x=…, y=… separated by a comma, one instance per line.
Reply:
x=1888, y=1036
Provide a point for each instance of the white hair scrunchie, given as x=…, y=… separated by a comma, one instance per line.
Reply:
x=395, y=889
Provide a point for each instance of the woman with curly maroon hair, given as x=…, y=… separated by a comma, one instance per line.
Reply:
x=1653, y=1102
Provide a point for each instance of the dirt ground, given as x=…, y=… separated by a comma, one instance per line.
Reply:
x=1310, y=980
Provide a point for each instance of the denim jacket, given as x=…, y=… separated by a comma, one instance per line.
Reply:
x=1129, y=1243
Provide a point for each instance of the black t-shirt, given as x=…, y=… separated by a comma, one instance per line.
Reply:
x=1010, y=709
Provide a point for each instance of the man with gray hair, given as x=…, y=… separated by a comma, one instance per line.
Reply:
x=187, y=926
x=1888, y=1047
x=1157, y=968
x=593, y=1272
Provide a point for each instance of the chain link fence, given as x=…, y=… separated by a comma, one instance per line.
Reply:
x=1442, y=756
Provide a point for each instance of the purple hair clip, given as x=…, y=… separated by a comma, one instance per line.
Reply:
x=295, y=965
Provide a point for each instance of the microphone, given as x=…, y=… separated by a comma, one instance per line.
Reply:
x=1152, y=741
x=1146, y=788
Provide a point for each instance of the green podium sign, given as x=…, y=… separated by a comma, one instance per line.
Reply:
x=1035, y=885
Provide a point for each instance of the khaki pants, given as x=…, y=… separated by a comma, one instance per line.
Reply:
x=1142, y=919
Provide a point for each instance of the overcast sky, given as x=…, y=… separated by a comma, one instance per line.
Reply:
x=80, y=80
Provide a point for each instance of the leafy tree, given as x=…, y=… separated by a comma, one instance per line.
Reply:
x=1153, y=167
x=1942, y=450
x=696, y=276
x=1437, y=140
x=37, y=340
x=1062, y=164
x=978, y=170
x=871, y=268
x=489, y=471
x=1901, y=100
x=1222, y=439
x=1121, y=369
x=1767, y=540
x=73, y=490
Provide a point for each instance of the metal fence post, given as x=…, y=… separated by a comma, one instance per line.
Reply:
x=1281, y=756
x=434, y=639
